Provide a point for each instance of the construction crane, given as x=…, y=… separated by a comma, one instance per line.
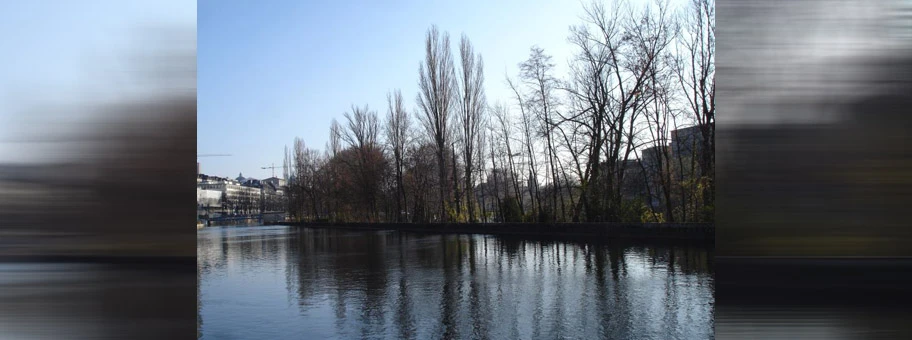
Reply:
x=273, y=167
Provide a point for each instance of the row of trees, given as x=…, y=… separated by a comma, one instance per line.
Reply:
x=593, y=146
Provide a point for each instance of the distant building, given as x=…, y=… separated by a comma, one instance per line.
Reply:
x=238, y=197
x=642, y=176
x=275, y=181
x=273, y=190
x=688, y=141
x=653, y=159
x=208, y=199
x=273, y=197
x=679, y=161
x=685, y=142
x=634, y=183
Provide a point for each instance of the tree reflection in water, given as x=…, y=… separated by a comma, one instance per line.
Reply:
x=277, y=282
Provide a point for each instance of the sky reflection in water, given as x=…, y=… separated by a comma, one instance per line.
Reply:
x=279, y=282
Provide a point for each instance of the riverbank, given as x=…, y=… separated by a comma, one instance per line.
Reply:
x=696, y=232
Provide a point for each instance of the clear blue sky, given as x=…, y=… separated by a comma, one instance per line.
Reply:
x=269, y=71
x=63, y=53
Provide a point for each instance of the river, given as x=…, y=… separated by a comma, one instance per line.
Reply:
x=300, y=283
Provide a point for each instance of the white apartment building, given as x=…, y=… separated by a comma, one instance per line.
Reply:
x=239, y=198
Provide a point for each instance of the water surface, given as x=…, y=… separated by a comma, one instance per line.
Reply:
x=283, y=283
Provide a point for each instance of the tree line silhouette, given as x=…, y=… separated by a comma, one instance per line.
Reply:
x=595, y=145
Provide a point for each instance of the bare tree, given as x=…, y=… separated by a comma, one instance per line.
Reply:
x=627, y=89
x=616, y=49
x=420, y=164
x=397, y=130
x=481, y=187
x=307, y=186
x=362, y=134
x=300, y=182
x=657, y=161
x=541, y=100
x=472, y=105
x=435, y=99
x=527, y=130
x=588, y=89
x=696, y=73
x=285, y=164
x=363, y=128
x=290, y=182
x=502, y=115
x=497, y=186
x=335, y=137
x=334, y=147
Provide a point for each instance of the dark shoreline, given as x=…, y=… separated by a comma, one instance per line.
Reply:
x=690, y=232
